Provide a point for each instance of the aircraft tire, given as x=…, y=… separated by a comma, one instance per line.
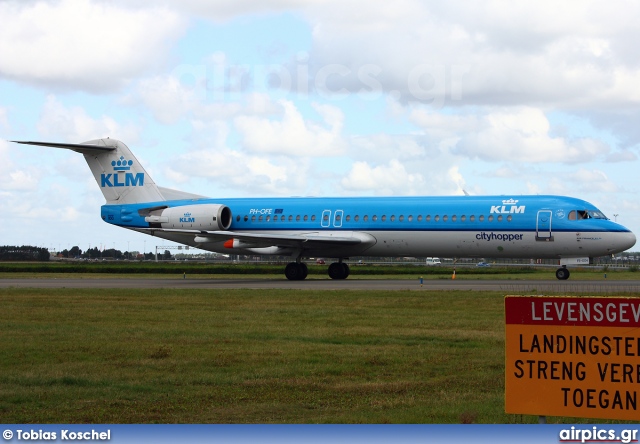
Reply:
x=304, y=269
x=562, y=274
x=295, y=271
x=338, y=270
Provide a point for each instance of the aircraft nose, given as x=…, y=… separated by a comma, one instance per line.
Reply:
x=625, y=240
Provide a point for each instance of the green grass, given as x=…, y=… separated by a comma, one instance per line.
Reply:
x=248, y=356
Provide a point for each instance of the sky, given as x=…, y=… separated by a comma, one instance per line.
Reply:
x=246, y=98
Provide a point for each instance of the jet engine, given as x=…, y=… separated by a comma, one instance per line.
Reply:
x=207, y=217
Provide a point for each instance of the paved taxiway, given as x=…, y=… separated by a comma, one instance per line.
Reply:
x=507, y=286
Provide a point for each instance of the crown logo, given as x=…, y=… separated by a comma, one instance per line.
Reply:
x=187, y=214
x=509, y=202
x=121, y=164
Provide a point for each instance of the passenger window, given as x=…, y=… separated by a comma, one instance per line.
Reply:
x=481, y=218
x=253, y=218
x=268, y=218
x=246, y=218
x=298, y=218
x=437, y=218
x=325, y=217
x=313, y=218
x=365, y=218
x=428, y=218
x=453, y=218
x=306, y=218
x=282, y=218
x=260, y=219
x=356, y=218
x=348, y=218
x=420, y=218
x=463, y=218
x=500, y=218
x=410, y=218
x=238, y=218
x=509, y=218
x=401, y=218
x=374, y=218
x=472, y=218
x=445, y=218
x=384, y=218
x=393, y=218
x=490, y=218
x=290, y=218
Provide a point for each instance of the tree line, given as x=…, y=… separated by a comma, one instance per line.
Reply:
x=23, y=253
x=31, y=253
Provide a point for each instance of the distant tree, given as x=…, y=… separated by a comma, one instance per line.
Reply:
x=75, y=252
x=167, y=255
x=92, y=253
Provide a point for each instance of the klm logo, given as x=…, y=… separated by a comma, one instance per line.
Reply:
x=126, y=180
x=187, y=218
x=508, y=207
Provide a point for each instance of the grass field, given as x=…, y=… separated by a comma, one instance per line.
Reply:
x=242, y=356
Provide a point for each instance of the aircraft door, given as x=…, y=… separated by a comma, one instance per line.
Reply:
x=326, y=219
x=337, y=218
x=543, y=226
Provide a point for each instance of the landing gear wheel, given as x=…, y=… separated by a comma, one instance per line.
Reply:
x=296, y=271
x=338, y=270
x=562, y=274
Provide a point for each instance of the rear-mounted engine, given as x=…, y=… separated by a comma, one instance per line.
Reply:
x=208, y=217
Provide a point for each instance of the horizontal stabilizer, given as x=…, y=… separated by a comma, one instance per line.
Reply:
x=78, y=147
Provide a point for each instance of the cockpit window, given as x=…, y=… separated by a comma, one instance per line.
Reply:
x=586, y=214
x=597, y=215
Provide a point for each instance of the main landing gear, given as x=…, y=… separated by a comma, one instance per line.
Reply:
x=297, y=271
x=562, y=273
x=339, y=270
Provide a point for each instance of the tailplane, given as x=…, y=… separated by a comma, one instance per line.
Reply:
x=118, y=173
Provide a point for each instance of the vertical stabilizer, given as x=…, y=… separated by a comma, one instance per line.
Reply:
x=117, y=172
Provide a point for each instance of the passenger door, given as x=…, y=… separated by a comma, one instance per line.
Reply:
x=543, y=226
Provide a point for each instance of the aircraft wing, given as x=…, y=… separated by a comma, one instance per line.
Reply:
x=254, y=240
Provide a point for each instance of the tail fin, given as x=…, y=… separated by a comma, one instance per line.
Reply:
x=118, y=173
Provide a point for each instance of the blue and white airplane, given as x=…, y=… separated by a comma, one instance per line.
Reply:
x=564, y=228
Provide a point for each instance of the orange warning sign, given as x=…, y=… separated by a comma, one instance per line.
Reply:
x=573, y=356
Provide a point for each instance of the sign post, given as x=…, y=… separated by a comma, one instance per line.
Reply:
x=573, y=356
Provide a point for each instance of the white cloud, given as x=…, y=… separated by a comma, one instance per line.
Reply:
x=518, y=134
x=83, y=44
x=389, y=179
x=229, y=169
x=586, y=180
x=73, y=124
x=293, y=135
x=13, y=179
x=457, y=53
x=166, y=97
